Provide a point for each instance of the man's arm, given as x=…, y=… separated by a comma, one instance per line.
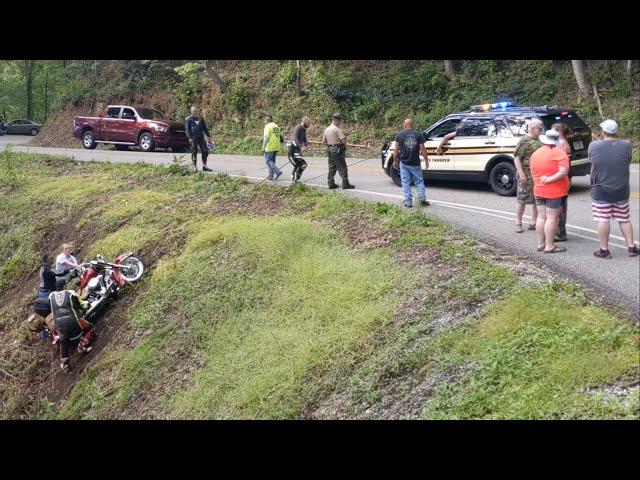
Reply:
x=423, y=152
x=187, y=129
x=394, y=154
x=324, y=138
x=343, y=137
x=445, y=139
x=562, y=172
x=206, y=130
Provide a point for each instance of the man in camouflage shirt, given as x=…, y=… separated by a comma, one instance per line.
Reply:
x=525, y=148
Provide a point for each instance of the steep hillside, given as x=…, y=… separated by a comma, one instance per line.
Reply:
x=266, y=302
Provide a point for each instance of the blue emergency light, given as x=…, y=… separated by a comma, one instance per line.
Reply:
x=491, y=106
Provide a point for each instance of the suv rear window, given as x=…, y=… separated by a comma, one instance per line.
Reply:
x=572, y=120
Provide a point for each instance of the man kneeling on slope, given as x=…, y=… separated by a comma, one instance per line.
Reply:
x=71, y=326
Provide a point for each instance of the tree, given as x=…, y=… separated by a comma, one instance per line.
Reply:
x=629, y=66
x=448, y=68
x=581, y=76
x=298, y=78
x=28, y=84
x=209, y=66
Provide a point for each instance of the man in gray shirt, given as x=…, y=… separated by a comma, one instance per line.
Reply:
x=610, y=159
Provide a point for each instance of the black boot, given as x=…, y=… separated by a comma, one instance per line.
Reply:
x=347, y=186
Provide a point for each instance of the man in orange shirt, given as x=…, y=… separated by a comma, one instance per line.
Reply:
x=549, y=169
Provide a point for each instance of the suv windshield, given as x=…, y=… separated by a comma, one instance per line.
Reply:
x=150, y=114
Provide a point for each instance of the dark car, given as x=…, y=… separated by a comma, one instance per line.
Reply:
x=22, y=127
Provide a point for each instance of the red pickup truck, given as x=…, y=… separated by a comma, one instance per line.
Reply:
x=124, y=126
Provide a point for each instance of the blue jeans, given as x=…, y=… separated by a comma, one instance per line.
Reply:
x=270, y=158
x=408, y=172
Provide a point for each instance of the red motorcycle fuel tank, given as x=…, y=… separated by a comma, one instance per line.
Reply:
x=87, y=275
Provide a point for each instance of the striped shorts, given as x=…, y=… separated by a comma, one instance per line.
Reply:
x=606, y=211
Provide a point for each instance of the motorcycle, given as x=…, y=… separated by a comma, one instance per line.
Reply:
x=100, y=281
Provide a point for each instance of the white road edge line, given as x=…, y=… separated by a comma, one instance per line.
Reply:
x=457, y=206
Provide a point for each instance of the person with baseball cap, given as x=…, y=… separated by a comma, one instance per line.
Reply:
x=336, y=142
x=549, y=169
x=610, y=159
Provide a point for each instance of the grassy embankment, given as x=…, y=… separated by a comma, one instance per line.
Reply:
x=291, y=303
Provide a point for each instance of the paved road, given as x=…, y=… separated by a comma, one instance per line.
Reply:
x=472, y=207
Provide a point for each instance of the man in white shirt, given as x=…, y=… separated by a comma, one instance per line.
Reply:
x=65, y=262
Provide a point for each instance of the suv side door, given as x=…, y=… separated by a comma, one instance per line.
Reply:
x=474, y=145
x=440, y=163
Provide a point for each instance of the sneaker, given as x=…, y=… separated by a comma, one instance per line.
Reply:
x=602, y=254
x=65, y=367
x=332, y=186
x=270, y=177
x=424, y=203
x=206, y=169
x=275, y=179
x=408, y=205
x=347, y=186
x=194, y=168
x=84, y=349
x=633, y=251
x=519, y=228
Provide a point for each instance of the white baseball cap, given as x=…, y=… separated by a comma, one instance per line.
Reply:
x=609, y=126
x=551, y=137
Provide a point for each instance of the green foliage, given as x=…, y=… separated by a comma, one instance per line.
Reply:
x=288, y=74
x=238, y=97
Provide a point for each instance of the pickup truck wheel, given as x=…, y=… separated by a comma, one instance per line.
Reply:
x=88, y=140
x=121, y=147
x=146, y=142
x=503, y=179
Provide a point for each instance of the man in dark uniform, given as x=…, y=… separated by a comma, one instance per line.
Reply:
x=336, y=142
x=66, y=306
x=298, y=143
x=197, y=130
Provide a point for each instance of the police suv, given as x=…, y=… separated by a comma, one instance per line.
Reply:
x=483, y=148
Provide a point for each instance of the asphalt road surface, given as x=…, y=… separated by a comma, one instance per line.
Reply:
x=472, y=207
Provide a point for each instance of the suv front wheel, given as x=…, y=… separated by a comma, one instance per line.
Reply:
x=503, y=179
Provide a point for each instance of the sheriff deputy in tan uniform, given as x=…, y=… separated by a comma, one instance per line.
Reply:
x=336, y=142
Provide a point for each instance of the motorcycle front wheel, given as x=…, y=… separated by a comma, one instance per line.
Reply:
x=132, y=270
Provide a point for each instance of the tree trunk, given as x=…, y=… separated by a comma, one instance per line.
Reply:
x=28, y=77
x=448, y=68
x=581, y=76
x=596, y=95
x=208, y=65
x=46, y=94
x=629, y=66
x=298, y=78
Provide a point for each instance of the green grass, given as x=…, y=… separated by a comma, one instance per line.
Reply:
x=531, y=357
x=245, y=317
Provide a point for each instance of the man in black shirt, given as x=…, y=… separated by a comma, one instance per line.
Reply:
x=406, y=156
x=298, y=143
x=197, y=130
